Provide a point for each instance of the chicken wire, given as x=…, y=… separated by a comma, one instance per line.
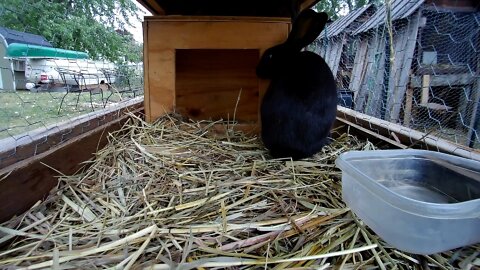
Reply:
x=41, y=96
x=420, y=71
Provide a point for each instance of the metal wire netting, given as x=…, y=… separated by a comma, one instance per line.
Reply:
x=44, y=85
x=68, y=92
x=418, y=68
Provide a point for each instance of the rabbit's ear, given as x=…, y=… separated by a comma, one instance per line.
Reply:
x=295, y=6
x=306, y=28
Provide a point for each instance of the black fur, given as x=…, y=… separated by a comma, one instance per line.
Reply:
x=299, y=107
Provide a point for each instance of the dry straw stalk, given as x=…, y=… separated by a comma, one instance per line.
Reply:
x=174, y=194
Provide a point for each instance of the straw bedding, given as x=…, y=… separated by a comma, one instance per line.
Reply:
x=176, y=195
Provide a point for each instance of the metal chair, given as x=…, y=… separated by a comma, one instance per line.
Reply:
x=80, y=78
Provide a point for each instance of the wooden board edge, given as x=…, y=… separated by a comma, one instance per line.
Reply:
x=38, y=141
x=181, y=18
x=28, y=181
x=152, y=6
x=146, y=82
x=406, y=136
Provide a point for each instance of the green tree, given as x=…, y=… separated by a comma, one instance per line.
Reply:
x=84, y=25
x=335, y=7
x=132, y=51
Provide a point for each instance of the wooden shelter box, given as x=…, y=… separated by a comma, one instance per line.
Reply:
x=204, y=67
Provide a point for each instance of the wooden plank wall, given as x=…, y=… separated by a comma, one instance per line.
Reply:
x=359, y=68
x=375, y=86
x=405, y=43
x=166, y=40
x=233, y=74
x=368, y=75
x=334, y=52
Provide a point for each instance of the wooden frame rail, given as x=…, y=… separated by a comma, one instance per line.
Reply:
x=27, y=180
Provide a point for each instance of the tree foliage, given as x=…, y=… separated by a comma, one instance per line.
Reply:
x=94, y=26
x=336, y=7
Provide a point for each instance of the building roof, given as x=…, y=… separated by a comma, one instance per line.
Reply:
x=13, y=36
x=400, y=9
x=198, y=7
x=339, y=25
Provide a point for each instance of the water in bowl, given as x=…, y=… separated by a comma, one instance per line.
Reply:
x=418, y=191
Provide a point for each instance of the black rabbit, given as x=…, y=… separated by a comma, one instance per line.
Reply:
x=300, y=105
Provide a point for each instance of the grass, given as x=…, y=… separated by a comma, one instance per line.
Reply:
x=23, y=111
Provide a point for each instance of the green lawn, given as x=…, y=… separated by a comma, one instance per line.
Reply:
x=22, y=111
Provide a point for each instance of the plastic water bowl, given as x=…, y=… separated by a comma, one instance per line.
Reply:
x=418, y=201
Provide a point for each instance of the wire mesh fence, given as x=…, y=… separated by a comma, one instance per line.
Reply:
x=46, y=84
x=421, y=71
x=65, y=93
x=413, y=63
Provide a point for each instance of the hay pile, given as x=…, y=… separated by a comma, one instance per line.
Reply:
x=174, y=195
